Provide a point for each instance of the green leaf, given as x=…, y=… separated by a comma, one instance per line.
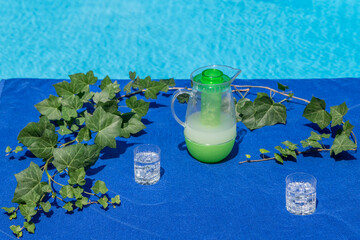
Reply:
x=50, y=108
x=99, y=187
x=278, y=158
x=63, y=130
x=65, y=88
x=268, y=113
x=116, y=199
x=45, y=187
x=139, y=106
x=17, y=230
x=45, y=206
x=78, y=192
x=103, y=201
x=316, y=113
x=85, y=96
x=263, y=151
x=80, y=121
x=28, y=187
x=128, y=87
x=337, y=113
x=81, y=202
x=248, y=156
x=83, y=81
x=167, y=83
x=75, y=156
x=40, y=138
x=84, y=134
x=110, y=87
x=317, y=137
x=105, y=82
x=27, y=210
x=282, y=87
x=130, y=126
x=132, y=75
x=13, y=216
x=77, y=177
x=310, y=143
x=18, y=149
x=74, y=128
x=68, y=113
x=246, y=111
x=67, y=191
x=290, y=145
x=291, y=95
x=69, y=207
x=8, y=149
x=30, y=227
x=106, y=124
x=101, y=97
x=183, y=98
x=347, y=128
x=341, y=143
x=109, y=106
x=8, y=210
x=152, y=87
x=73, y=102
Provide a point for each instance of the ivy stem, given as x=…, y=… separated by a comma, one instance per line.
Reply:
x=67, y=143
x=272, y=158
x=273, y=90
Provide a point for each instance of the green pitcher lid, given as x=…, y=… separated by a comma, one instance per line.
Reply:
x=212, y=76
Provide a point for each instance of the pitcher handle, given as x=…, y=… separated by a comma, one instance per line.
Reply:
x=175, y=95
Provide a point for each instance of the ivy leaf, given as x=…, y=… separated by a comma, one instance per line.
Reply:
x=68, y=113
x=167, y=83
x=28, y=187
x=68, y=206
x=268, y=113
x=337, y=113
x=130, y=126
x=77, y=192
x=106, y=124
x=75, y=156
x=101, y=97
x=67, y=191
x=17, y=230
x=99, y=187
x=310, y=143
x=84, y=134
x=263, y=151
x=30, y=227
x=139, y=106
x=40, y=138
x=45, y=187
x=109, y=106
x=85, y=96
x=347, y=128
x=247, y=156
x=18, y=149
x=282, y=87
x=278, y=158
x=105, y=82
x=72, y=101
x=152, y=87
x=246, y=112
x=77, y=177
x=116, y=200
x=316, y=113
x=65, y=88
x=103, y=201
x=128, y=87
x=8, y=210
x=341, y=143
x=317, y=137
x=8, y=149
x=183, y=98
x=132, y=75
x=63, y=130
x=110, y=87
x=45, y=206
x=81, y=202
x=83, y=81
x=13, y=216
x=290, y=145
x=50, y=108
x=27, y=210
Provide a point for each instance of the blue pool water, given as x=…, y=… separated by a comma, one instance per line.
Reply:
x=266, y=39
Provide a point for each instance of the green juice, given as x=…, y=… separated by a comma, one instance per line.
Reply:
x=208, y=143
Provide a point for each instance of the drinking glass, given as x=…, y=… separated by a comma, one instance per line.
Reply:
x=147, y=164
x=300, y=193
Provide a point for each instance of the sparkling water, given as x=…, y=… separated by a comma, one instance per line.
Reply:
x=300, y=198
x=147, y=168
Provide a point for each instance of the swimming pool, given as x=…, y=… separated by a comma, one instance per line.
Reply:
x=273, y=39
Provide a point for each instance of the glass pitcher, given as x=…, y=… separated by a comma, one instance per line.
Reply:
x=210, y=122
